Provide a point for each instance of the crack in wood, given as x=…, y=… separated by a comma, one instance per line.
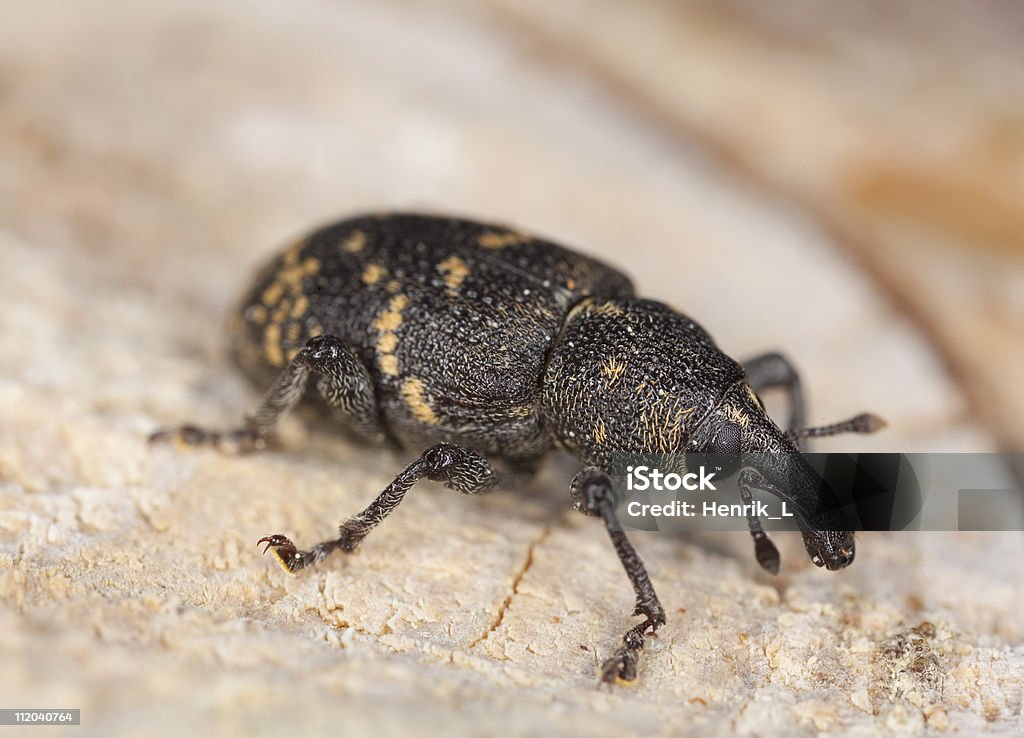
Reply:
x=499, y=616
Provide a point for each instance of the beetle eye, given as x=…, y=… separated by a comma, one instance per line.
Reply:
x=726, y=439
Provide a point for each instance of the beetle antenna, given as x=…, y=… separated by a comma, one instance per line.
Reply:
x=863, y=423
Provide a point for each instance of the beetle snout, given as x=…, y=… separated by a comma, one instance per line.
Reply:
x=832, y=549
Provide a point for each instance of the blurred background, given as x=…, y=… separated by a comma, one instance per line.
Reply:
x=843, y=183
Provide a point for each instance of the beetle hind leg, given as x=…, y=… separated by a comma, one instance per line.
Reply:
x=342, y=381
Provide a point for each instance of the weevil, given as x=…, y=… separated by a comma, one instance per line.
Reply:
x=489, y=348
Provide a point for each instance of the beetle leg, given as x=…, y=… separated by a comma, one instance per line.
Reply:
x=765, y=551
x=342, y=382
x=592, y=494
x=824, y=527
x=458, y=468
x=771, y=370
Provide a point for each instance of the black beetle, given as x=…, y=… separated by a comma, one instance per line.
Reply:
x=489, y=347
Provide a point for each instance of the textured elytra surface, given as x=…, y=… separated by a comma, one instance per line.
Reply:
x=453, y=320
x=130, y=583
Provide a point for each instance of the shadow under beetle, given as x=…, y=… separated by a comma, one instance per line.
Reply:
x=489, y=347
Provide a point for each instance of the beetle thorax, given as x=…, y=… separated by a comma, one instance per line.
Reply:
x=631, y=376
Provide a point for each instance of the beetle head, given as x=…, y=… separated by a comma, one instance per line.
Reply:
x=739, y=424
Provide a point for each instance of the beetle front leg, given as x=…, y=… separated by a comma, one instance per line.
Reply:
x=458, y=468
x=771, y=370
x=826, y=538
x=765, y=551
x=342, y=381
x=592, y=494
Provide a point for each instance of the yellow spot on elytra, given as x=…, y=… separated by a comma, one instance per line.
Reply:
x=391, y=318
x=600, y=432
x=570, y=284
x=354, y=242
x=387, y=323
x=612, y=369
x=412, y=393
x=454, y=270
x=311, y=266
x=393, y=286
x=389, y=365
x=272, y=345
x=386, y=345
x=256, y=314
x=373, y=274
x=281, y=310
x=315, y=329
x=499, y=240
x=300, y=307
x=272, y=294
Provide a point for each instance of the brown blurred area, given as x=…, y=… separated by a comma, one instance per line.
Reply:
x=842, y=182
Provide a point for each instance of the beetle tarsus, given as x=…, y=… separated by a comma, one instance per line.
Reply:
x=766, y=552
x=621, y=667
x=288, y=556
x=234, y=441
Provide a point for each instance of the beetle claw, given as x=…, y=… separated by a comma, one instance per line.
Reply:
x=620, y=668
x=288, y=556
